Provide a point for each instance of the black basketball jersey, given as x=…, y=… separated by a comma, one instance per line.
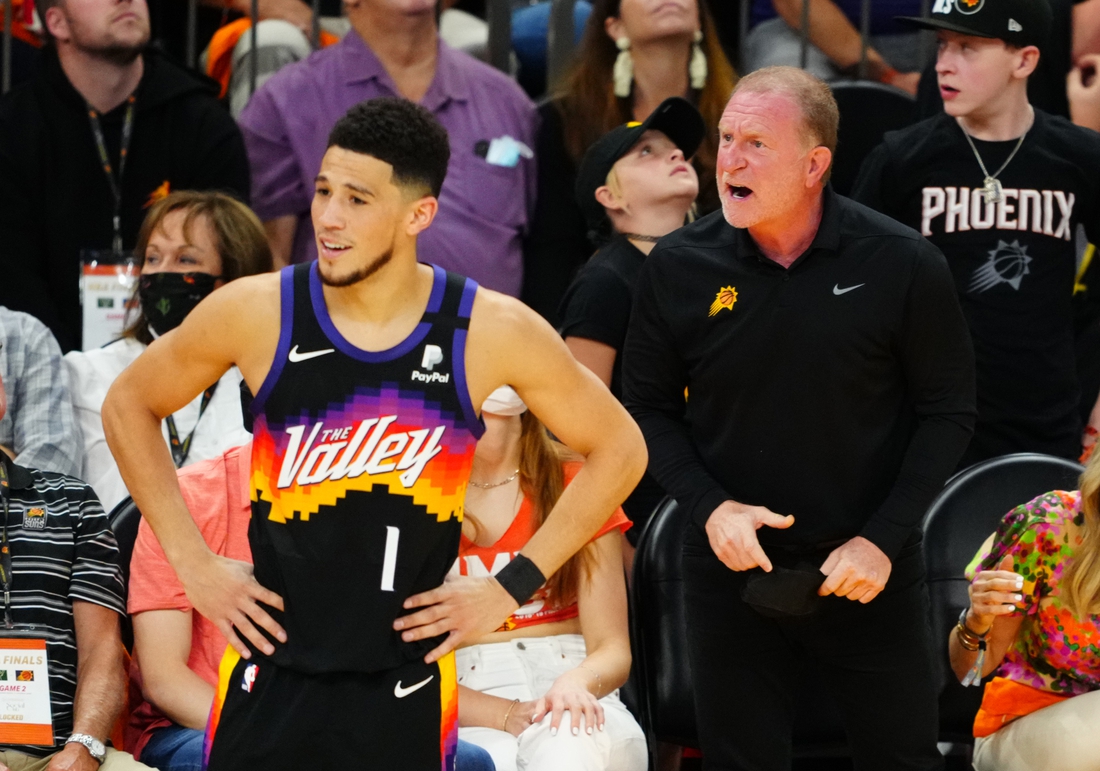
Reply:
x=360, y=462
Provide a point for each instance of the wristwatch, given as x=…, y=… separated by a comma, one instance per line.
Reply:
x=94, y=746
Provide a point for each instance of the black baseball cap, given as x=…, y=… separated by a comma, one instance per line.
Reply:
x=1017, y=22
x=675, y=117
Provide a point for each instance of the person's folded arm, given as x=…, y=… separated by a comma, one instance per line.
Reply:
x=654, y=380
x=938, y=361
x=162, y=647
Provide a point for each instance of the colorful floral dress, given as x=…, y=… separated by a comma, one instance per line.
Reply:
x=1054, y=651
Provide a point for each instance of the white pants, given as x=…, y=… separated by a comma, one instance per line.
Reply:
x=1062, y=737
x=525, y=669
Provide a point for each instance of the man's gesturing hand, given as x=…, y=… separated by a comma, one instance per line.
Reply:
x=464, y=607
x=857, y=570
x=226, y=593
x=732, y=528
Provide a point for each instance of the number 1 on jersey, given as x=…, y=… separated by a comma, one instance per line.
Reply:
x=389, y=562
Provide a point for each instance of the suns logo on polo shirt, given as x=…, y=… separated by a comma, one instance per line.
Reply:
x=725, y=299
x=34, y=519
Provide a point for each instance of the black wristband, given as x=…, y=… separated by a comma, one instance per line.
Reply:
x=521, y=578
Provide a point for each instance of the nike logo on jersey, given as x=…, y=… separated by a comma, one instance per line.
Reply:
x=838, y=291
x=401, y=693
x=964, y=209
x=294, y=357
x=342, y=452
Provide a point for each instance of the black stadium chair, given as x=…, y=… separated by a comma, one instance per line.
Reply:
x=124, y=520
x=660, y=652
x=867, y=111
x=959, y=520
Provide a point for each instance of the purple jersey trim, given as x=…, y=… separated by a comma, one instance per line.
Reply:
x=439, y=283
x=286, y=329
x=320, y=311
x=466, y=305
x=458, y=357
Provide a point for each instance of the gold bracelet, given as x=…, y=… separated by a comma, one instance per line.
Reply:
x=508, y=714
x=599, y=680
x=967, y=639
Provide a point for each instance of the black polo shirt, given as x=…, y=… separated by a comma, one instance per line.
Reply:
x=840, y=390
x=62, y=551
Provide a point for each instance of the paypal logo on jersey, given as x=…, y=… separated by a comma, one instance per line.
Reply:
x=433, y=355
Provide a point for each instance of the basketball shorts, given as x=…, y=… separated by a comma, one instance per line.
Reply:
x=271, y=718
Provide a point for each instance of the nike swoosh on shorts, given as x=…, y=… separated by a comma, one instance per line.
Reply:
x=401, y=693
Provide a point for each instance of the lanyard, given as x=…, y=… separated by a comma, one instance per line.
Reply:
x=5, y=547
x=181, y=449
x=124, y=148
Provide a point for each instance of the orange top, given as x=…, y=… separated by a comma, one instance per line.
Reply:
x=474, y=560
x=1005, y=700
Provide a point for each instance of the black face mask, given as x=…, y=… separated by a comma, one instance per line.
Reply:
x=167, y=298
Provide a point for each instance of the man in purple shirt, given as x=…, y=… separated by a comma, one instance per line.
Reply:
x=393, y=49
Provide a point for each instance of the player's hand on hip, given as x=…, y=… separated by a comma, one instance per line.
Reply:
x=732, y=528
x=226, y=592
x=463, y=608
x=857, y=569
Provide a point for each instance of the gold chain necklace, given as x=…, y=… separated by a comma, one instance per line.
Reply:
x=488, y=485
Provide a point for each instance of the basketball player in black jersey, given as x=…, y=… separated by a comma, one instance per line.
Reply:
x=367, y=367
x=1001, y=188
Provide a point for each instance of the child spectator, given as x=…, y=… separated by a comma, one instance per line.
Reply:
x=634, y=55
x=190, y=244
x=636, y=184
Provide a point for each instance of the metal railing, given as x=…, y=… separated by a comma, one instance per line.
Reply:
x=560, y=46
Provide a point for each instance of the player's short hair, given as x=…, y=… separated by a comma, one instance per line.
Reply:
x=814, y=98
x=400, y=133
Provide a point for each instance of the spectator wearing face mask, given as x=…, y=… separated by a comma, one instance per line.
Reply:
x=190, y=244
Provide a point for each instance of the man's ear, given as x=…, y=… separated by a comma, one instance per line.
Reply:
x=608, y=199
x=421, y=214
x=57, y=24
x=1026, y=63
x=820, y=160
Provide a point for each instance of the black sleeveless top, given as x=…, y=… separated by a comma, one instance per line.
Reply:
x=360, y=462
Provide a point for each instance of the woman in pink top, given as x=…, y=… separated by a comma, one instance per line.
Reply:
x=558, y=661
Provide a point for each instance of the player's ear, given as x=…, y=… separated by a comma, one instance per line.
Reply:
x=422, y=212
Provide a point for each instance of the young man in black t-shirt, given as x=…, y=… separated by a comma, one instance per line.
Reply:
x=634, y=185
x=1000, y=188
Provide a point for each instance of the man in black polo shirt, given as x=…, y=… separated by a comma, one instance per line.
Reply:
x=830, y=392
x=1001, y=188
x=62, y=594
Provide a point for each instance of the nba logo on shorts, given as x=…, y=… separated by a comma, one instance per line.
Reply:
x=249, y=677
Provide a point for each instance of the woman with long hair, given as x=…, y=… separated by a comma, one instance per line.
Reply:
x=541, y=692
x=633, y=56
x=1034, y=621
x=190, y=244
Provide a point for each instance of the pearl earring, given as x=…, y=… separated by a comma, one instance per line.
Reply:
x=698, y=67
x=624, y=69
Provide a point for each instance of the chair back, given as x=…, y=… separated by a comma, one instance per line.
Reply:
x=962, y=516
x=666, y=698
x=124, y=520
x=867, y=111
